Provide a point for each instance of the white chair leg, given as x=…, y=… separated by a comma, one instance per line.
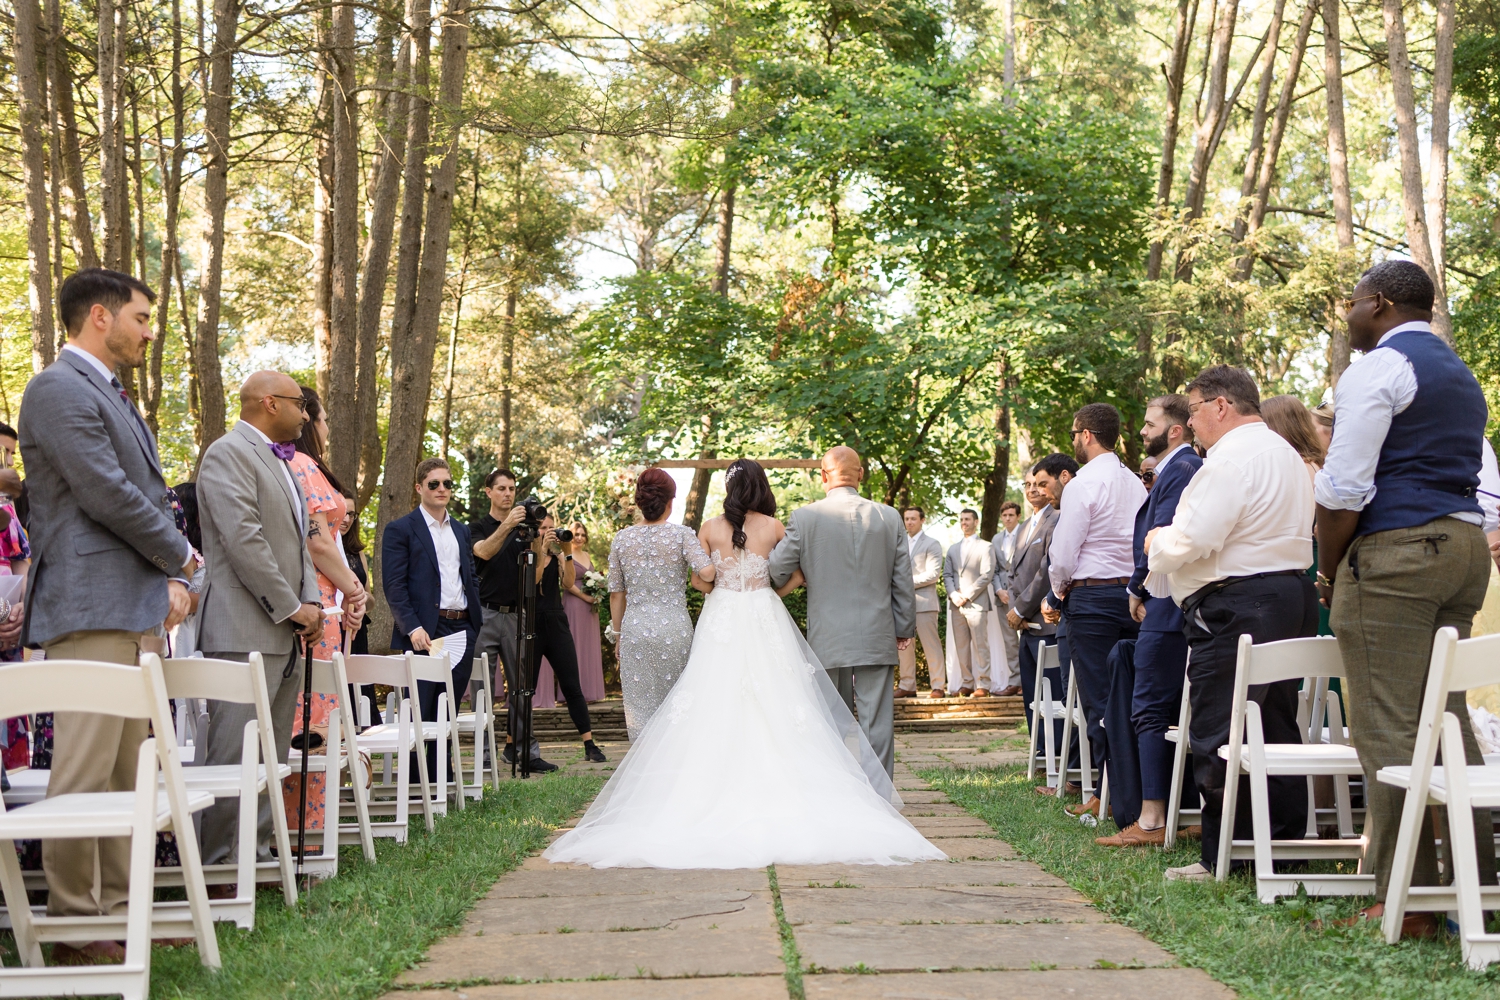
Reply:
x=13, y=884
x=142, y=861
x=419, y=750
x=1054, y=778
x=1226, y=815
x=1067, y=735
x=1179, y=770
x=249, y=832
x=1480, y=950
x=1260, y=807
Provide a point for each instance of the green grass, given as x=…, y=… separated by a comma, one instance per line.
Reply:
x=1260, y=951
x=352, y=935
x=790, y=955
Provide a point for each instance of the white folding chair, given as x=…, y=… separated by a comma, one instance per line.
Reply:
x=442, y=728
x=396, y=741
x=1248, y=753
x=1320, y=719
x=1072, y=715
x=479, y=724
x=241, y=684
x=126, y=692
x=339, y=756
x=1178, y=817
x=1044, y=711
x=1457, y=665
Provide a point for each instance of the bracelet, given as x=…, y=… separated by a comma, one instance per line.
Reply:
x=1324, y=581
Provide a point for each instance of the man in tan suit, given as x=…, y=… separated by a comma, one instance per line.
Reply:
x=262, y=590
x=926, y=569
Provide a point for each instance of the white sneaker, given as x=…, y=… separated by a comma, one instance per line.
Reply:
x=1194, y=872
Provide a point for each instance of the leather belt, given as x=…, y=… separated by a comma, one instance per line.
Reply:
x=452, y=615
x=504, y=609
x=1114, y=581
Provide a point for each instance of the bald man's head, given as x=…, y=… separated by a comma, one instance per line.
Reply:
x=842, y=467
x=272, y=403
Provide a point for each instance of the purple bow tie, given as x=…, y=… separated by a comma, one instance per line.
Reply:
x=283, y=450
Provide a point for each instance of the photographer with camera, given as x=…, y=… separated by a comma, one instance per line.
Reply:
x=502, y=536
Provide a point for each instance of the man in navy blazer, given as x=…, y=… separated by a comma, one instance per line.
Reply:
x=1161, y=649
x=427, y=571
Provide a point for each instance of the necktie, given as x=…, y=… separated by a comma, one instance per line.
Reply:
x=283, y=450
x=121, y=390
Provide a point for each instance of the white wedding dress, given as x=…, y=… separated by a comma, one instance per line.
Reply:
x=752, y=759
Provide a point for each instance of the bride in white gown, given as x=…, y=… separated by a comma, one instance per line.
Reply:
x=753, y=758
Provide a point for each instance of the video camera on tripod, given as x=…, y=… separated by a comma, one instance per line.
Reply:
x=531, y=525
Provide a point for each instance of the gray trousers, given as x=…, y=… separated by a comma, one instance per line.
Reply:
x=870, y=695
x=497, y=639
x=971, y=641
x=932, y=646
x=226, y=740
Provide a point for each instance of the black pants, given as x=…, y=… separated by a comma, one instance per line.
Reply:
x=1268, y=609
x=1031, y=649
x=1096, y=618
x=428, y=691
x=555, y=642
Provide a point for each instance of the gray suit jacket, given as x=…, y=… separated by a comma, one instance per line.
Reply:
x=860, y=598
x=970, y=577
x=1028, y=578
x=926, y=555
x=102, y=528
x=259, y=569
x=1003, y=566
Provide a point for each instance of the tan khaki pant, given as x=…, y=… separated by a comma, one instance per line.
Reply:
x=91, y=753
x=971, y=640
x=932, y=648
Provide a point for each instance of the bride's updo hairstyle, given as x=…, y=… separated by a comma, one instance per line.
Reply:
x=746, y=489
x=654, y=491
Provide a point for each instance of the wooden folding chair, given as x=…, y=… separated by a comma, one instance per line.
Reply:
x=257, y=773
x=1248, y=753
x=479, y=724
x=126, y=692
x=339, y=757
x=1457, y=665
x=396, y=741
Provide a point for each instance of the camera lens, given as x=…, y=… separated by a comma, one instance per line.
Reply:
x=564, y=535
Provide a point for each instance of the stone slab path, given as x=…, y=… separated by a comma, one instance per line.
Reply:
x=984, y=924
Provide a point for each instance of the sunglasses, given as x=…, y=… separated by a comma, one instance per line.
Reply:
x=446, y=484
x=1148, y=477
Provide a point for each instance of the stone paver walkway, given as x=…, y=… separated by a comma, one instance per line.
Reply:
x=981, y=925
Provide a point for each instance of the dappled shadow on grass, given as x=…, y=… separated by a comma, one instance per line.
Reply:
x=1260, y=951
x=351, y=936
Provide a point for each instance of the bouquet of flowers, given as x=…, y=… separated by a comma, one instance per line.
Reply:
x=595, y=584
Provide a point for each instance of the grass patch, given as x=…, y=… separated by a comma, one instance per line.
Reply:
x=352, y=935
x=790, y=955
x=1259, y=951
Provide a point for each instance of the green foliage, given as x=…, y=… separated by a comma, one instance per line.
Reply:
x=1476, y=77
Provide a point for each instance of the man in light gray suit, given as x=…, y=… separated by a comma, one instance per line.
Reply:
x=262, y=590
x=926, y=555
x=967, y=572
x=111, y=567
x=861, y=606
x=1004, y=547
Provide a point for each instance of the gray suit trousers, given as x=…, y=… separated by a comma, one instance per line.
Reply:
x=226, y=740
x=869, y=692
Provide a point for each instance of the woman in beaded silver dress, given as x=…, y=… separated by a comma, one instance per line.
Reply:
x=649, y=567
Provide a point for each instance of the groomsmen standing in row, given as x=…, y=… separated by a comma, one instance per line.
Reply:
x=926, y=569
x=967, y=572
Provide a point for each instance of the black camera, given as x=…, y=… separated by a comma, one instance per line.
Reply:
x=531, y=525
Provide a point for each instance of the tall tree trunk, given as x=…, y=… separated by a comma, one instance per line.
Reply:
x=138, y=189
x=216, y=140
x=171, y=193
x=1255, y=153
x=322, y=232
x=1187, y=13
x=384, y=201
x=1418, y=239
x=343, y=431
x=60, y=72
x=1272, y=154
x=1338, y=172
x=1209, y=129
x=114, y=186
x=1008, y=67
x=696, y=500
x=998, y=478
x=33, y=108
x=458, y=308
x=508, y=364
x=1437, y=182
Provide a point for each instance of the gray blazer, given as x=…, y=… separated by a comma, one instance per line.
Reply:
x=926, y=555
x=1028, y=577
x=970, y=577
x=102, y=529
x=860, y=598
x=1003, y=566
x=259, y=569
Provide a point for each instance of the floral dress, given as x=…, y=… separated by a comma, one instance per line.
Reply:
x=322, y=498
x=651, y=563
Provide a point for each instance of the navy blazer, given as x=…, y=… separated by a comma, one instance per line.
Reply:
x=1162, y=613
x=409, y=575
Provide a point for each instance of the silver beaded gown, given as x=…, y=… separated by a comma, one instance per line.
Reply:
x=652, y=563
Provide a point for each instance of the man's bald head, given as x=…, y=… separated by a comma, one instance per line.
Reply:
x=272, y=403
x=262, y=384
x=842, y=467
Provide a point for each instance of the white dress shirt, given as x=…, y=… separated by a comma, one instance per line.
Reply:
x=1368, y=396
x=1489, y=487
x=1095, y=524
x=452, y=596
x=1161, y=463
x=99, y=366
x=1248, y=510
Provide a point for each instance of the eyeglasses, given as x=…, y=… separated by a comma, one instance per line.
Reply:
x=1345, y=305
x=1078, y=430
x=301, y=401
x=1193, y=407
x=1148, y=477
x=446, y=484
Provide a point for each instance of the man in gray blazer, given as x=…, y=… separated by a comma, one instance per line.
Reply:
x=111, y=567
x=861, y=606
x=262, y=590
x=1003, y=545
x=926, y=555
x=967, y=572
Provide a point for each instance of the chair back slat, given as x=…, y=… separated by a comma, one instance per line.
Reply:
x=324, y=677
x=1047, y=656
x=73, y=686
x=221, y=680
x=1476, y=663
x=369, y=669
x=430, y=668
x=1293, y=659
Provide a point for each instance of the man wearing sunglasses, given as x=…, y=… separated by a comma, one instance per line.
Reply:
x=427, y=570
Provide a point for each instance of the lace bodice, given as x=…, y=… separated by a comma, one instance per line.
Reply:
x=747, y=571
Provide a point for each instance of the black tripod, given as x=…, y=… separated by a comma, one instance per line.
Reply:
x=525, y=664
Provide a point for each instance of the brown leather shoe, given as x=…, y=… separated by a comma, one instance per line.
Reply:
x=965, y=692
x=937, y=693
x=1091, y=807
x=1422, y=926
x=1010, y=692
x=222, y=891
x=1194, y=832
x=981, y=693
x=93, y=953
x=903, y=693
x=1045, y=790
x=1134, y=836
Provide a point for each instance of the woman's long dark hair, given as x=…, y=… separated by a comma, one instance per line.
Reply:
x=746, y=489
x=308, y=442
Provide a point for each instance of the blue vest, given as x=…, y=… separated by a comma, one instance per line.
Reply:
x=1429, y=463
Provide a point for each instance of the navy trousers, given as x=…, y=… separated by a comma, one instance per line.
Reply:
x=1096, y=619
x=1160, y=667
x=1124, y=767
x=1031, y=648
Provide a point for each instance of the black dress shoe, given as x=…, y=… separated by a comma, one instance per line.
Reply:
x=593, y=754
x=539, y=766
